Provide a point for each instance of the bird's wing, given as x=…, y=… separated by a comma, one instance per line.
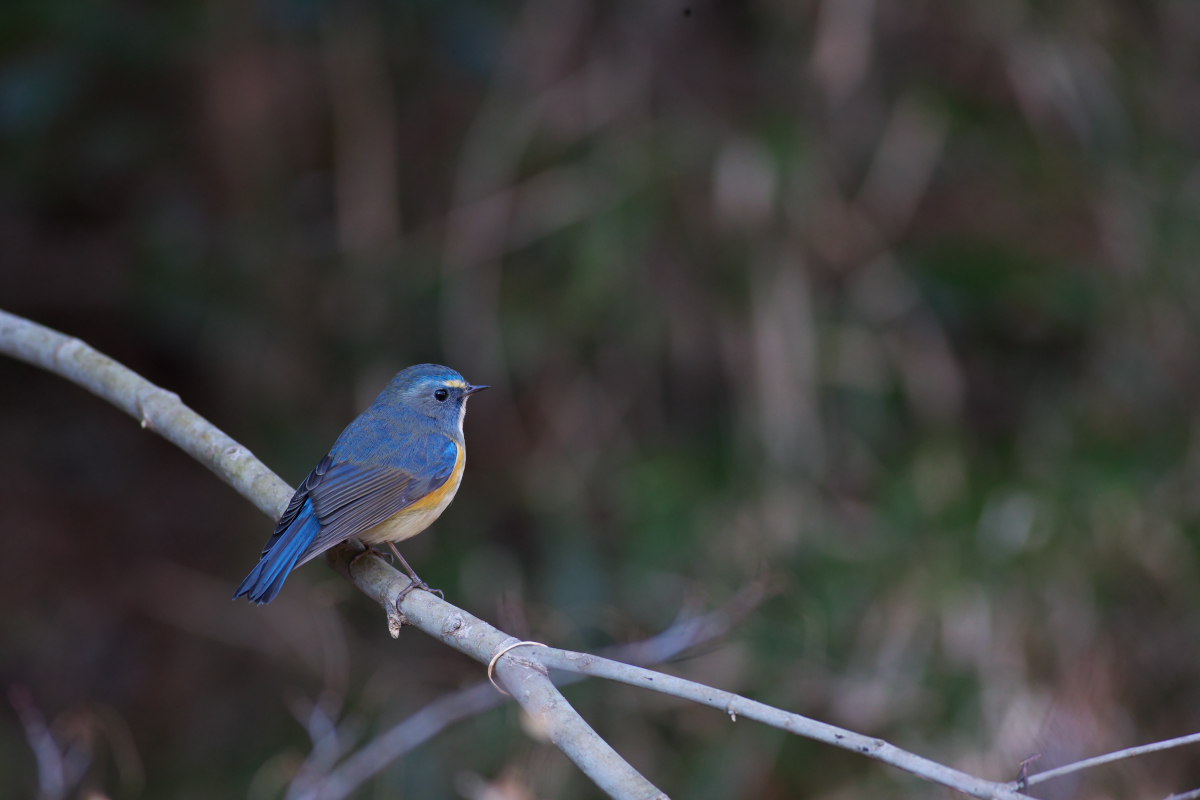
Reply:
x=297, y=502
x=351, y=497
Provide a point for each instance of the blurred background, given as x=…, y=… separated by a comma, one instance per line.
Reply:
x=889, y=308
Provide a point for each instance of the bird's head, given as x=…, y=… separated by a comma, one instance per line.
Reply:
x=435, y=391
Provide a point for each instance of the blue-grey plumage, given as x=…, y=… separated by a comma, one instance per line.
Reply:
x=389, y=475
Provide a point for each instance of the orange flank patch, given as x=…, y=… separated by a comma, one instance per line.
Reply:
x=442, y=495
x=421, y=514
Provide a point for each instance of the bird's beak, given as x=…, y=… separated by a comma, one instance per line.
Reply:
x=473, y=389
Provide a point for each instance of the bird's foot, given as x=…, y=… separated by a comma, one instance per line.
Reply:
x=396, y=617
x=417, y=583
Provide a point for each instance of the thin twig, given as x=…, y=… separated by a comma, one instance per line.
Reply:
x=474, y=637
x=432, y=719
x=1194, y=794
x=1128, y=752
x=737, y=706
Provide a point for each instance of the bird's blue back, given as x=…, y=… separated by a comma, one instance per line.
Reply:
x=388, y=435
x=400, y=450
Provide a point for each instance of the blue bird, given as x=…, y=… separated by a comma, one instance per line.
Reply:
x=390, y=474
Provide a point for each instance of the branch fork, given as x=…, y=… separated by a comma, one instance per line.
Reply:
x=526, y=677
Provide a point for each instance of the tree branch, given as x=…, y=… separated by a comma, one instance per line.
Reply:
x=164, y=413
x=1194, y=794
x=737, y=706
x=156, y=408
x=522, y=671
x=372, y=758
x=525, y=680
x=1107, y=758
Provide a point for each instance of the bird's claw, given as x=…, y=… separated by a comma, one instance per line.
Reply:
x=418, y=584
x=396, y=617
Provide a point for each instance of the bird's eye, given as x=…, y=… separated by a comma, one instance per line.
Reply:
x=440, y=395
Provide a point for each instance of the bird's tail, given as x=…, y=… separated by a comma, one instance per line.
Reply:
x=279, y=559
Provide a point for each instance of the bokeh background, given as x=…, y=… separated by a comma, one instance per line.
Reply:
x=889, y=307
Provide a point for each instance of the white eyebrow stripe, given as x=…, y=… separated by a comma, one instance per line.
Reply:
x=457, y=384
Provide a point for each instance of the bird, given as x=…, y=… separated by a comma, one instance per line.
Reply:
x=389, y=475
